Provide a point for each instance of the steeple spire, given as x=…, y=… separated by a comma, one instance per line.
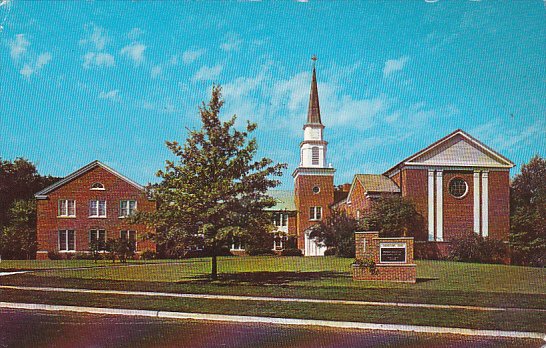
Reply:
x=313, y=113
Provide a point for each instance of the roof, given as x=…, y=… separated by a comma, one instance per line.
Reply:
x=469, y=150
x=43, y=194
x=284, y=199
x=313, y=113
x=377, y=183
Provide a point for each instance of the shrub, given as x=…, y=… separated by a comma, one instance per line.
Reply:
x=367, y=264
x=54, y=255
x=84, y=256
x=291, y=252
x=330, y=251
x=475, y=248
x=259, y=251
x=148, y=255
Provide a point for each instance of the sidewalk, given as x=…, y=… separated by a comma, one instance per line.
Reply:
x=269, y=299
x=277, y=321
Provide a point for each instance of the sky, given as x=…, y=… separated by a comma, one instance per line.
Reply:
x=86, y=80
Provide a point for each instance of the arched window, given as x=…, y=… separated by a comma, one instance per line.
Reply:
x=315, y=155
x=97, y=186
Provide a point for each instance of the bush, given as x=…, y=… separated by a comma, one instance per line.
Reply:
x=54, y=255
x=259, y=251
x=330, y=251
x=475, y=248
x=148, y=255
x=291, y=252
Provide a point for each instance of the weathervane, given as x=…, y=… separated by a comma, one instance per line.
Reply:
x=314, y=59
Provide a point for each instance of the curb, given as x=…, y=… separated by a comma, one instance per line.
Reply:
x=278, y=321
x=266, y=299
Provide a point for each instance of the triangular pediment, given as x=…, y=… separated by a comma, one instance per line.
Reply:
x=459, y=150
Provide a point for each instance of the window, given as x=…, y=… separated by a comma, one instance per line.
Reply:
x=127, y=207
x=279, y=241
x=129, y=235
x=315, y=155
x=280, y=219
x=458, y=187
x=97, y=186
x=67, y=240
x=315, y=213
x=97, y=208
x=237, y=244
x=98, y=236
x=67, y=208
x=316, y=189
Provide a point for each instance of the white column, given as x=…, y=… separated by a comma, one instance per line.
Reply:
x=431, y=205
x=477, y=202
x=485, y=204
x=439, y=206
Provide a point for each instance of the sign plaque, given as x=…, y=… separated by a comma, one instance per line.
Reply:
x=392, y=252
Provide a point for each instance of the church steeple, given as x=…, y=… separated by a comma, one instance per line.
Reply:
x=313, y=113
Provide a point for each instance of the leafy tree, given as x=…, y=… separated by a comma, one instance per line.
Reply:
x=337, y=232
x=18, y=237
x=394, y=216
x=95, y=248
x=122, y=248
x=528, y=214
x=19, y=180
x=215, y=190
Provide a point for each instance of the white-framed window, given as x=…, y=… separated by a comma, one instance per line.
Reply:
x=67, y=208
x=315, y=213
x=280, y=219
x=97, y=208
x=315, y=155
x=127, y=207
x=237, y=244
x=279, y=241
x=457, y=187
x=98, y=236
x=97, y=186
x=129, y=235
x=67, y=240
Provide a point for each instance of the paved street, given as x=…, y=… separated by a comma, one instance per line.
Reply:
x=59, y=329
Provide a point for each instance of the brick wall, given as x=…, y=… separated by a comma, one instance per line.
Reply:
x=116, y=189
x=499, y=205
x=458, y=212
x=414, y=186
x=306, y=198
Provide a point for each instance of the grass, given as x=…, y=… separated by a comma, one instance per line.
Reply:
x=322, y=277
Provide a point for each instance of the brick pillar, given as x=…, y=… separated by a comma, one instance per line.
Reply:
x=365, y=248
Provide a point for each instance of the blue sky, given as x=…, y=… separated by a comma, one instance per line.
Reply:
x=112, y=81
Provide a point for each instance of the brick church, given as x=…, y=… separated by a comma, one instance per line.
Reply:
x=458, y=186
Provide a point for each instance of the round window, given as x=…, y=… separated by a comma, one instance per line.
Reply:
x=458, y=187
x=316, y=189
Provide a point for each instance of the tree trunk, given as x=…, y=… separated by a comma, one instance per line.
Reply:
x=214, y=271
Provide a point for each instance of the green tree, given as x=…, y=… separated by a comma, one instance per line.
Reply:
x=215, y=190
x=18, y=237
x=19, y=180
x=528, y=214
x=337, y=232
x=394, y=216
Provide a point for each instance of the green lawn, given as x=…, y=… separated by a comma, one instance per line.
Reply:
x=322, y=277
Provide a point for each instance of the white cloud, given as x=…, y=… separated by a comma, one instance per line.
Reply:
x=135, y=52
x=233, y=43
x=394, y=65
x=42, y=60
x=98, y=37
x=190, y=55
x=110, y=95
x=207, y=73
x=98, y=59
x=135, y=33
x=156, y=71
x=18, y=46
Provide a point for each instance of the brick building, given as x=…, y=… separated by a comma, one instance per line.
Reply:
x=89, y=204
x=458, y=185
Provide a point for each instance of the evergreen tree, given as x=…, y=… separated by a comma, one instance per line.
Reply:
x=215, y=190
x=528, y=214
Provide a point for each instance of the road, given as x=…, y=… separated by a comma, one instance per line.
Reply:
x=62, y=329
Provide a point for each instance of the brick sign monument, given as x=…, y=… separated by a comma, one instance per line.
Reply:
x=388, y=259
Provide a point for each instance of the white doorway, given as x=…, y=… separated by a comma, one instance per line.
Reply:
x=313, y=247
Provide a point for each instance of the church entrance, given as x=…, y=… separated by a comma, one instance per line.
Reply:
x=313, y=247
